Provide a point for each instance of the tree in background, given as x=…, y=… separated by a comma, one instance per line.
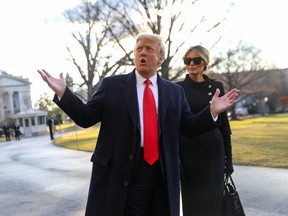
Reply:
x=239, y=68
x=53, y=111
x=168, y=19
x=102, y=55
x=283, y=101
x=105, y=29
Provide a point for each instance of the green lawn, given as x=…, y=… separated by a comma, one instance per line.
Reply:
x=76, y=137
x=261, y=141
x=257, y=141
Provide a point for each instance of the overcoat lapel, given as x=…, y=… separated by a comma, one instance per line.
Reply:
x=164, y=93
x=129, y=93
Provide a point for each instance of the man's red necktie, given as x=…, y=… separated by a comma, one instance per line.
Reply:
x=150, y=122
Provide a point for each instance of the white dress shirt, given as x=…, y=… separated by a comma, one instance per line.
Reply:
x=140, y=93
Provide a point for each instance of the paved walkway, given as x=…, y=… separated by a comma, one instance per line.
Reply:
x=40, y=179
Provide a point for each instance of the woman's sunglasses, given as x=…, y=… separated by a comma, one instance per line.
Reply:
x=196, y=60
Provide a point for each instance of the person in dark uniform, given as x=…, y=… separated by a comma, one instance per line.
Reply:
x=205, y=157
x=17, y=131
x=51, y=128
x=6, y=130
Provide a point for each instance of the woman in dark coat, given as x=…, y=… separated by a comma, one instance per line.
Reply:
x=205, y=158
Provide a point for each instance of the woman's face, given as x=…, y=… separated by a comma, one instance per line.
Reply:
x=197, y=65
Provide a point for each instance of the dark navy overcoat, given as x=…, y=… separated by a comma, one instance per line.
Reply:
x=115, y=105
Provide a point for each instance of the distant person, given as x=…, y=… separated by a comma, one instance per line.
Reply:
x=6, y=130
x=17, y=131
x=136, y=159
x=206, y=157
x=51, y=128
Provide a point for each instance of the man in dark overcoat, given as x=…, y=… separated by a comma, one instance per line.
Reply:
x=122, y=183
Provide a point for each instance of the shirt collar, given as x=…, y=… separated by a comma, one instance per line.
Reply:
x=140, y=80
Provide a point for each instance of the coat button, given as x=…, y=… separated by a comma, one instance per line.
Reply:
x=131, y=156
x=209, y=86
x=125, y=183
x=210, y=93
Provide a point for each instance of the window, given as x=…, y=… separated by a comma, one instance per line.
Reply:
x=20, y=122
x=33, y=121
x=41, y=120
x=26, y=122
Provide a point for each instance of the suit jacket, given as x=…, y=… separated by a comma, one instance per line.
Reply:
x=115, y=105
x=6, y=130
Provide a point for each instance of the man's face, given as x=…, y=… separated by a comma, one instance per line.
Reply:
x=147, y=60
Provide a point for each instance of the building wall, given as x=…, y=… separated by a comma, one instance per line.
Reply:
x=15, y=95
x=16, y=105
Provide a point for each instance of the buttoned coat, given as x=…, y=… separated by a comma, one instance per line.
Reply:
x=202, y=181
x=115, y=105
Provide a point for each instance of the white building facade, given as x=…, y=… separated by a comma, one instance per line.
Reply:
x=16, y=105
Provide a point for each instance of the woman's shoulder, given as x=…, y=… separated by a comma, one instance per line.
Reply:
x=213, y=80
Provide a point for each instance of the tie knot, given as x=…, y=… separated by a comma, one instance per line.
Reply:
x=147, y=82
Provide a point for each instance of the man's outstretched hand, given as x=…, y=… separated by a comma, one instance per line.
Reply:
x=221, y=104
x=57, y=85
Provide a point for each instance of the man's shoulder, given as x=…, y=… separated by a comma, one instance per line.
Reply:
x=115, y=77
x=118, y=77
x=170, y=84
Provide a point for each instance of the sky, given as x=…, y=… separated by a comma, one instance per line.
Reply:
x=32, y=35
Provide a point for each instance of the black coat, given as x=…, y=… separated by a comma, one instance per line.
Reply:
x=203, y=157
x=6, y=130
x=115, y=104
x=17, y=130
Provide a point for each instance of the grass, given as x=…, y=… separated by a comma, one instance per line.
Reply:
x=256, y=141
x=78, y=138
x=261, y=141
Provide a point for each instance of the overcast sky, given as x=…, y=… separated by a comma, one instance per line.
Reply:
x=32, y=37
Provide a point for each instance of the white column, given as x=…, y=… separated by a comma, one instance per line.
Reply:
x=2, y=117
x=10, y=101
